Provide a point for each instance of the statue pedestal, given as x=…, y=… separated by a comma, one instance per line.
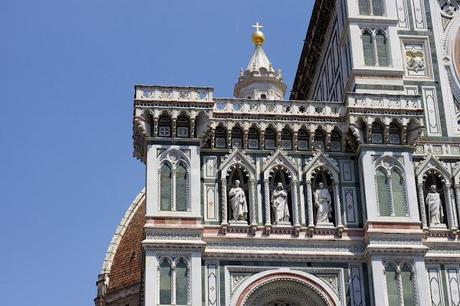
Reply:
x=238, y=222
x=325, y=225
x=438, y=226
x=283, y=224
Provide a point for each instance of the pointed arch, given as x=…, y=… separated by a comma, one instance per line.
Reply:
x=280, y=160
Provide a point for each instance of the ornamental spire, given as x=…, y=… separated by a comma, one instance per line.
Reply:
x=259, y=80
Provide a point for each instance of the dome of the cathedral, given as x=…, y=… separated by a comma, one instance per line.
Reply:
x=120, y=279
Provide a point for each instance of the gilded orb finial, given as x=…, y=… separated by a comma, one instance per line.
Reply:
x=258, y=37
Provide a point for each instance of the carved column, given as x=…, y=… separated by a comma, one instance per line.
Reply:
x=404, y=134
x=386, y=133
x=252, y=199
x=457, y=197
x=268, y=219
x=213, y=138
x=244, y=145
x=173, y=285
x=262, y=139
x=229, y=139
x=294, y=140
x=421, y=201
x=192, y=128
x=338, y=207
x=311, y=139
x=450, y=213
x=311, y=223
x=295, y=204
x=223, y=184
x=155, y=126
x=328, y=141
x=173, y=126
x=278, y=138
x=173, y=189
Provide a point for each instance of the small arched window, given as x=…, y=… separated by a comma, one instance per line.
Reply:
x=237, y=138
x=181, y=188
x=220, y=138
x=302, y=140
x=263, y=96
x=392, y=284
x=370, y=7
x=270, y=139
x=164, y=126
x=286, y=139
x=253, y=139
x=382, y=50
x=336, y=142
x=394, y=136
x=320, y=140
x=377, y=133
x=165, y=283
x=181, y=283
x=398, y=194
x=407, y=279
x=165, y=187
x=368, y=48
x=183, y=127
x=383, y=193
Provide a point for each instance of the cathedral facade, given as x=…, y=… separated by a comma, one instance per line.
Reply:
x=347, y=193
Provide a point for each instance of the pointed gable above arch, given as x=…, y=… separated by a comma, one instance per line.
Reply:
x=237, y=157
x=430, y=162
x=280, y=159
x=320, y=160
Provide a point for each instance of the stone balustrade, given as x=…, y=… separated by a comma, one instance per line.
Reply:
x=383, y=101
x=173, y=93
x=278, y=107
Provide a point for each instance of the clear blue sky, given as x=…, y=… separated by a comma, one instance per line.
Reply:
x=67, y=71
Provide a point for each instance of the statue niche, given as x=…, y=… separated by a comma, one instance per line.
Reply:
x=238, y=185
x=323, y=199
x=435, y=200
x=281, y=202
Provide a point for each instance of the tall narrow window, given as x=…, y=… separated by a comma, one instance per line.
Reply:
x=165, y=187
x=181, y=283
x=181, y=188
x=302, y=140
x=394, y=134
x=183, y=127
x=165, y=283
x=408, y=285
x=336, y=142
x=382, y=50
x=270, y=139
x=286, y=139
x=377, y=133
x=377, y=8
x=220, y=138
x=398, y=194
x=368, y=48
x=364, y=7
x=383, y=193
x=392, y=285
x=164, y=126
x=320, y=140
x=237, y=138
x=253, y=139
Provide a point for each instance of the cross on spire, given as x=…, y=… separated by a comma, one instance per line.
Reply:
x=257, y=26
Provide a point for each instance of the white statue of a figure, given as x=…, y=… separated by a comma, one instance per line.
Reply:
x=433, y=200
x=323, y=205
x=280, y=205
x=238, y=202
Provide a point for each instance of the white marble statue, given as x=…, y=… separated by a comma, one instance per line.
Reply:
x=323, y=205
x=280, y=205
x=238, y=202
x=433, y=200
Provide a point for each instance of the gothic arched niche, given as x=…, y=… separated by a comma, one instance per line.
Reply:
x=322, y=178
x=280, y=178
x=434, y=183
x=238, y=177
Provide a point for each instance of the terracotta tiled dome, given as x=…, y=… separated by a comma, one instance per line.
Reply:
x=120, y=280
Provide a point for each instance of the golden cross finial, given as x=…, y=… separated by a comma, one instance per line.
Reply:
x=257, y=26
